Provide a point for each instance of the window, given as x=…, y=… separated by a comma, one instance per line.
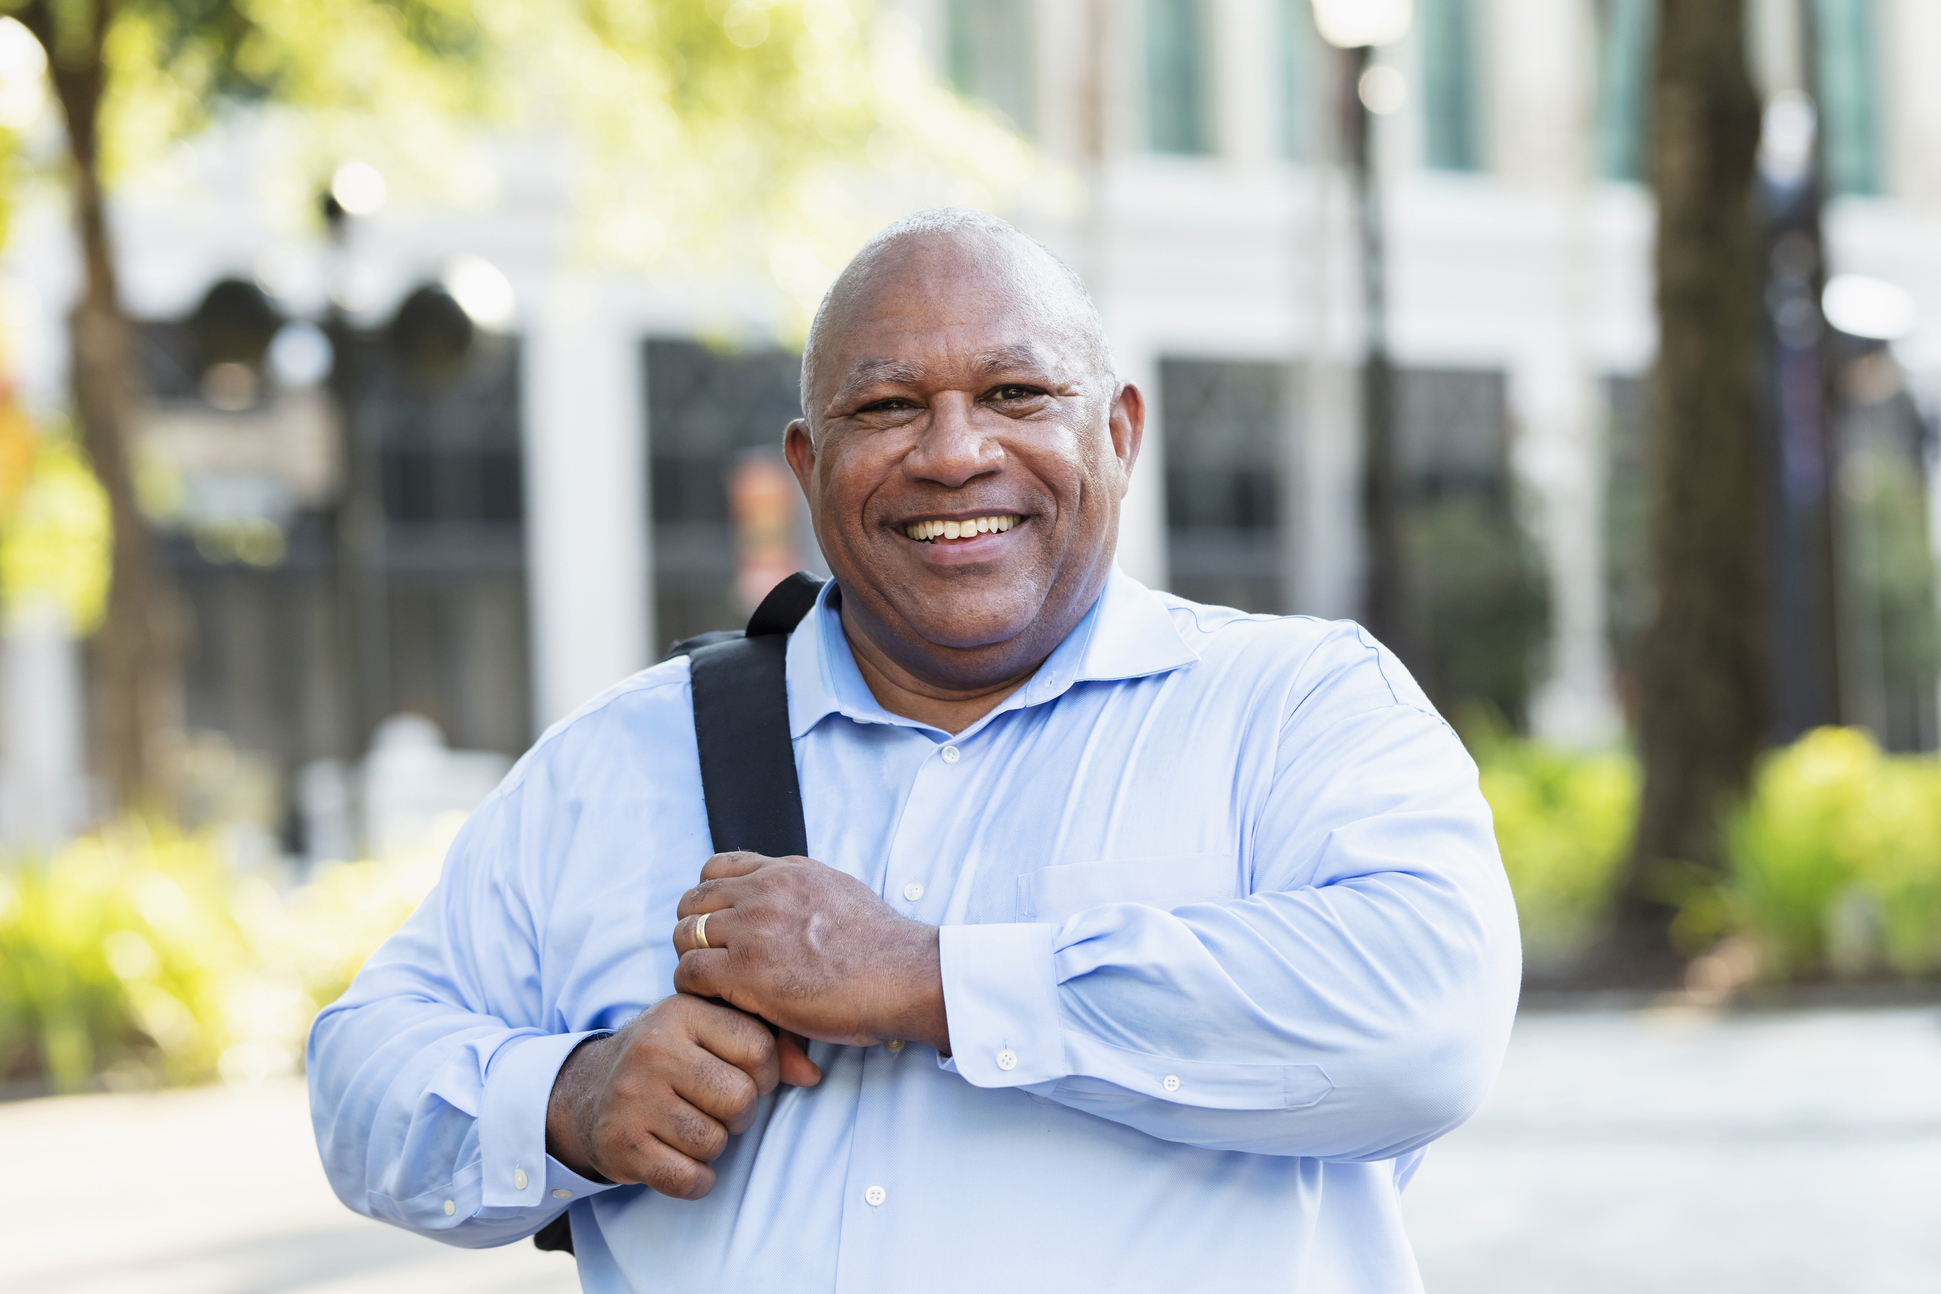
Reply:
x=1225, y=425
x=1848, y=95
x=1175, y=77
x=709, y=411
x=989, y=55
x=1626, y=29
x=1297, y=64
x=1450, y=131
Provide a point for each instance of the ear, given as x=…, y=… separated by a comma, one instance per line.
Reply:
x=799, y=448
x=1127, y=426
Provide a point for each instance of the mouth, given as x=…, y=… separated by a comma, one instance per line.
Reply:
x=959, y=531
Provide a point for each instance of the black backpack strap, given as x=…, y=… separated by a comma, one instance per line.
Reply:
x=741, y=728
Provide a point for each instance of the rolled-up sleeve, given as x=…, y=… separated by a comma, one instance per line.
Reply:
x=430, y=1077
x=1354, y=1005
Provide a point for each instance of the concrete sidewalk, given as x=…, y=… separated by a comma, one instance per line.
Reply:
x=1678, y=1150
x=1665, y=1151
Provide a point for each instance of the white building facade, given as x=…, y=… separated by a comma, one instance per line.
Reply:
x=1218, y=236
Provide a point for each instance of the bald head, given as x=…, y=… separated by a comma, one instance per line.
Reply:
x=1000, y=260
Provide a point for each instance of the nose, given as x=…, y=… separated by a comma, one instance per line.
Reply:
x=953, y=450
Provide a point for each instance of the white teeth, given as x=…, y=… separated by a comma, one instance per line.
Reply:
x=924, y=531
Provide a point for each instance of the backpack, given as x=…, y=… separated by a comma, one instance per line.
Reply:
x=741, y=728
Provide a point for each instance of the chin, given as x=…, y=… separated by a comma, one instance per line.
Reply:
x=970, y=623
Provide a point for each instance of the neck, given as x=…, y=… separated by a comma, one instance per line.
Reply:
x=899, y=691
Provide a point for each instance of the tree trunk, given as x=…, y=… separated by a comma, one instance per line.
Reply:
x=1703, y=688
x=135, y=658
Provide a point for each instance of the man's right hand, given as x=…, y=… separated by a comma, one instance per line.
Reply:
x=656, y=1102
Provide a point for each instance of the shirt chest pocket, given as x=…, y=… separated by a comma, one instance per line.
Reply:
x=1052, y=894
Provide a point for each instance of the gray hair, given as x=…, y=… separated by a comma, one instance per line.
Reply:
x=945, y=220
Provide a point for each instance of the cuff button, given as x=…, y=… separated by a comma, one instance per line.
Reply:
x=562, y=1194
x=450, y=1208
x=519, y=1179
x=1171, y=1083
x=1007, y=1059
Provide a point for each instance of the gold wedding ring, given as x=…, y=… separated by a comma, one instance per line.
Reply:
x=701, y=931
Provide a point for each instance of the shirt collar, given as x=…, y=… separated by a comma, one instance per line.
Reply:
x=1127, y=634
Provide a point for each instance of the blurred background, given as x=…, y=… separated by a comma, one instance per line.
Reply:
x=386, y=378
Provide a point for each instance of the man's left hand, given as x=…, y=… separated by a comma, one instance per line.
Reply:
x=811, y=950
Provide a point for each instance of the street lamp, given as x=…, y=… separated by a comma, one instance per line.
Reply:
x=1357, y=27
x=356, y=190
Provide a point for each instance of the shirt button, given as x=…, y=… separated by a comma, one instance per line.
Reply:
x=952, y=754
x=450, y=1208
x=562, y=1194
x=893, y=1046
x=519, y=1179
x=876, y=1195
x=1172, y=1083
x=913, y=891
x=1007, y=1059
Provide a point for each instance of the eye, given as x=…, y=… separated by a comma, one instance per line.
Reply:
x=894, y=404
x=1014, y=391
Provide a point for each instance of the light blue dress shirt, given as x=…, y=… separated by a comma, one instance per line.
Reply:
x=1226, y=942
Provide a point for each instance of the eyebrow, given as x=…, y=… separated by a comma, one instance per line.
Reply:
x=995, y=360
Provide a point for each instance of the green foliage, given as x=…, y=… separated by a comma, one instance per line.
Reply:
x=113, y=958
x=1488, y=607
x=1563, y=820
x=762, y=139
x=140, y=954
x=1836, y=860
x=54, y=536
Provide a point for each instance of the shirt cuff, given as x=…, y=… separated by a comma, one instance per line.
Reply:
x=1001, y=994
x=515, y=1170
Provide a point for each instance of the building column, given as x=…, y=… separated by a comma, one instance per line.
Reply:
x=1559, y=455
x=587, y=538
x=43, y=781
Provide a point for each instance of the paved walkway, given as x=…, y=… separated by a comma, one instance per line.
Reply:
x=1622, y=1151
x=1676, y=1151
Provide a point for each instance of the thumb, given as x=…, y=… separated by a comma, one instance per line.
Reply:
x=797, y=1069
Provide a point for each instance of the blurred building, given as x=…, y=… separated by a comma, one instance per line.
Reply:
x=547, y=484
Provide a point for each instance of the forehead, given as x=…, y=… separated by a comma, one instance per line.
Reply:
x=978, y=303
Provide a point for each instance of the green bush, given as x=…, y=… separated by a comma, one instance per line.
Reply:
x=139, y=954
x=112, y=959
x=1563, y=820
x=1836, y=860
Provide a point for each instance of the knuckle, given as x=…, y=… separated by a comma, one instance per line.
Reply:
x=681, y=1178
x=743, y=1093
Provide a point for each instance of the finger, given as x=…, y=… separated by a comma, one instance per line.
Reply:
x=737, y=1038
x=684, y=1127
x=737, y=863
x=722, y=1091
x=688, y=931
x=710, y=896
x=652, y=1162
x=792, y=1059
x=704, y=973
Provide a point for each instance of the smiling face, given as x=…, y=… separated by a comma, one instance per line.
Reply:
x=965, y=456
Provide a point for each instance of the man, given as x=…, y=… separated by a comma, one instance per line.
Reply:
x=1143, y=945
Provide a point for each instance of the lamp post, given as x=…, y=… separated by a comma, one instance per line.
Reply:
x=1357, y=27
x=357, y=190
